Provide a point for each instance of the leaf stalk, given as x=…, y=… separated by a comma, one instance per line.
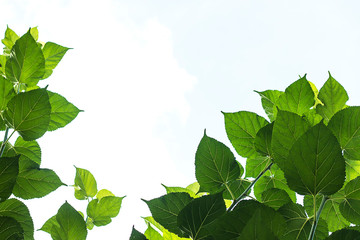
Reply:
x=317, y=216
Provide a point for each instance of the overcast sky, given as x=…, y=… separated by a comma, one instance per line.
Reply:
x=152, y=75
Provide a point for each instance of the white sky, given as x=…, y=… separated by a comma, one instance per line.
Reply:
x=152, y=75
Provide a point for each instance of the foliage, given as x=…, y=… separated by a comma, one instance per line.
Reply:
x=31, y=111
x=308, y=145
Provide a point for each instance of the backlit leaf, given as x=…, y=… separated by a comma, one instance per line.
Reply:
x=85, y=184
x=30, y=154
x=268, y=101
x=350, y=205
x=241, y=128
x=275, y=197
x=6, y=92
x=262, y=141
x=101, y=211
x=9, y=39
x=254, y=166
x=345, y=234
x=152, y=234
x=49, y=224
x=29, y=113
x=53, y=53
x=352, y=169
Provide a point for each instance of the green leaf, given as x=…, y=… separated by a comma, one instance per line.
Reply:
x=268, y=100
x=10, y=229
x=152, y=234
x=315, y=163
x=179, y=189
x=62, y=111
x=312, y=117
x=9, y=39
x=350, y=205
x=194, y=217
x=288, y=127
x=275, y=198
x=352, y=169
x=241, y=128
x=136, y=235
x=36, y=183
x=49, y=224
x=333, y=96
x=262, y=141
x=53, y=54
x=6, y=92
x=26, y=64
x=101, y=211
x=34, y=33
x=345, y=125
x=29, y=113
x=330, y=213
x=165, y=210
x=215, y=165
x=85, y=184
x=71, y=224
x=3, y=60
x=345, y=234
x=30, y=154
x=254, y=166
x=17, y=210
x=9, y=170
x=298, y=97
x=103, y=193
x=236, y=187
x=299, y=225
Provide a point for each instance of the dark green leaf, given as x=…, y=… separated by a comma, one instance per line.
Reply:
x=101, y=211
x=345, y=234
x=62, y=111
x=30, y=154
x=9, y=170
x=17, y=210
x=9, y=39
x=136, y=235
x=263, y=140
x=333, y=96
x=275, y=197
x=236, y=187
x=26, y=64
x=165, y=210
x=315, y=163
x=71, y=224
x=36, y=183
x=268, y=100
x=254, y=166
x=345, y=124
x=215, y=165
x=29, y=113
x=330, y=213
x=49, y=224
x=198, y=213
x=241, y=128
x=298, y=97
x=10, y=229
x=53, y=54
x=350, y=205
x=6, y=92
x=85, y=184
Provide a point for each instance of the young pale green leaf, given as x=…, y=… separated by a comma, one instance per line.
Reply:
x=180, y=189
x=298, y=97
x=288, y=127
x=9, y=170
x=350, y=205
x=275, y=197
x=345, y=234
x=254, y=166
x=152, y=234
x=29, y=113
x=3, y=60
x=330, y=213
x=194, y=217
x=101, y=211
x=36, y=183
x=315, y=163
x=352, y=169
x=215, y=165
x=333, y=96
x=9, y=39
x=299, y=225
x=26, y=64
x=268, y=100
x=49, y=224
x=10, y=229
x=34, y=33
x=62, y=111
x=345, y=124
x=262, y=141
x=136, y=235
x=53, y=54
x=85, y=184
x=6, y=92
x=103, y=193
x=241, y=128
x=312, y=117
x=165, y=210
x=17, y=210
x=71, y=224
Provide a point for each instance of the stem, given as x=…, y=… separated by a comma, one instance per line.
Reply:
x=236, y=202
x=316, y=218
x=4, y=141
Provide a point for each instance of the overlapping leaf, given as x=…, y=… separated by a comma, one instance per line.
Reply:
x=275, y=197
x=53, y=53
x=9, y=170
x=6, y=92
x=9, y=39
x=241, y=128
x=345, y=234
x=10, y=229
x=262, y=140
x=350, y=205
x=254, y=166
x=136, y=235
x=85, y=184
x=101, y=211
x=268, y=101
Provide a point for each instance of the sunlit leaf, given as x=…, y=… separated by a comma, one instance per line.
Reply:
x=9, y=39
x=350, y=204
x=268, y=101
x=49, y=224
x=6, y=92
x=152, y=234
x=254, y=166
x=85, y=184
x=53, y=53
x=275, y=197
x=262, y=141
x=101, y=211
